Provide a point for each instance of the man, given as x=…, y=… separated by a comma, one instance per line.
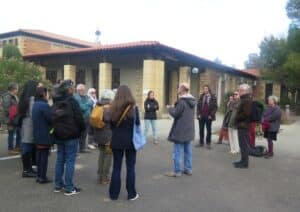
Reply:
x=86, y=106
x=243, y=120
x=9, y=105
x=206, y=113
x=183, y=131
x=68, y=125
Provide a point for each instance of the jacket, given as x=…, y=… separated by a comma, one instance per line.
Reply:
x=85, y=103
x=41, y=119
x=122, y=136
x=150, y=107
x=78, y=117
x=103, y=136
x=183, y=127
x=274, y=118
x=7, y=101
x=27, y=127
x=233, y=107
x=243, y=115
x=212, y=106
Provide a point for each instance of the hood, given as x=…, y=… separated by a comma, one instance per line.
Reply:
x=189, y=99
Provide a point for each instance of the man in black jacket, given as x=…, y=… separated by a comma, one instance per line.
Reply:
x=243, y=120
x=67, y=147
x=206, y=113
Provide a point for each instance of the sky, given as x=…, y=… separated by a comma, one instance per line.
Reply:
x=224, y=29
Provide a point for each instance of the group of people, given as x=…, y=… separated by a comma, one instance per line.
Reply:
x=68, y=122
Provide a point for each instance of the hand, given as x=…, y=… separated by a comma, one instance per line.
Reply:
x=209, y=117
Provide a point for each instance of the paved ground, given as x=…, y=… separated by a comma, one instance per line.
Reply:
x=267, y=186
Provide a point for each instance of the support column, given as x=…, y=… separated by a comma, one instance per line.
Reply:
x=105, y=76
x=153, y=79
x=43, y=72
x=185, y=75
x=173, y=87
x=70, y=72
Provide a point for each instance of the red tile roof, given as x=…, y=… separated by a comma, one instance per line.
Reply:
x=253, y=72
x=100, y=47
x=57, y=36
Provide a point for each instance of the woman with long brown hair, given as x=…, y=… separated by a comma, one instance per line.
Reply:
x=123, y=111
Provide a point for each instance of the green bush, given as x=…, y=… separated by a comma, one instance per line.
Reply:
x=11, y=51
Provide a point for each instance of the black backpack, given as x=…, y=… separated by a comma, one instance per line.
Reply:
x=257, y=111
x=258, y=151
x=63, y=121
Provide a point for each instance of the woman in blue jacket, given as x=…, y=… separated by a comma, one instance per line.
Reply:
x=41, y=118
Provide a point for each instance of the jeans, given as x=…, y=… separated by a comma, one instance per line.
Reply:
x=11, y=135
x=205, y=121
x=151, y=122
x=177, y=157
x=42, y=163
x=66, y=156
x=243, y=136
x=115, y=184
x=28, y=156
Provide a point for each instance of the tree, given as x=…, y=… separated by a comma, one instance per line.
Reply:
x=253, y=61
x=17, y=70
x=10, y=51
x=293, y=11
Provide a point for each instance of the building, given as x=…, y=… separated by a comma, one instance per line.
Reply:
x=143, y=66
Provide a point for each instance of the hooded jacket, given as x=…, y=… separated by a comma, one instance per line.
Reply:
x=183, y=128
x=103, y=136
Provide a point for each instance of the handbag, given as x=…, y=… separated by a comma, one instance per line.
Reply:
x=139, y=139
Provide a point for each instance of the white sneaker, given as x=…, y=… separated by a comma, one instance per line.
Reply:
x=90, y=146
x=135, y=198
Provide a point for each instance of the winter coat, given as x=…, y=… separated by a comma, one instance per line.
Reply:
x=233, y=107
x=150, y=107
x=27, y=127
x=7, y=101
x=212, y=106
x=274, y=118
x=122, y=136
x=78, y=117
x=41, y=119
x=85, y=103
x=183, y=128
x=243, y=115
x=103, y=136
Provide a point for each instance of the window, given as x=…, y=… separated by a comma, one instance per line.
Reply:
x=11, y=41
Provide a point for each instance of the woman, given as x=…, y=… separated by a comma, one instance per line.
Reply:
x=271, y=123
x=91, y=140
x=232, y=127
x=151, y=106
x=102, y=137
x=25, y=109
x=122, y=113
x=223, y=135
x=41, y=119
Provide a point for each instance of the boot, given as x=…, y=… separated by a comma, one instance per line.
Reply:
x=27, y=169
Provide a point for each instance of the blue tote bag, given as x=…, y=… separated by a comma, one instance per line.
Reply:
x=139, y=139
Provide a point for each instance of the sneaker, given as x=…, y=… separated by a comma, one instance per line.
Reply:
x=172, y=174
x=189, y=173
x=135, y=198
x=91, y=146
x=75, y=191
x=13, y=152
x=57, y=190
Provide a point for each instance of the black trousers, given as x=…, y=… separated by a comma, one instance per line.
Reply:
x=115, y=184
x=205, y=121
x=244, y=138
x=42, y=163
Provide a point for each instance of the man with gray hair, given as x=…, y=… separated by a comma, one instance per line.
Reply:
x=243, y=120
x=86, y=106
